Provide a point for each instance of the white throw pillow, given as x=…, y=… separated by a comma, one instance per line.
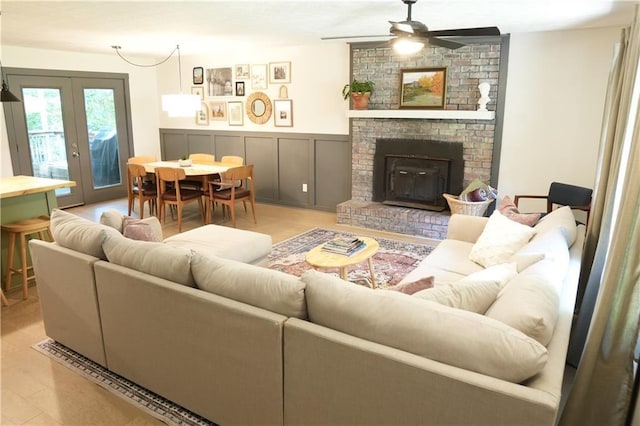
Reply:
x=451, y=336
x=561, y=217
x=475, y=292
x=112, y=218
x=500, y=239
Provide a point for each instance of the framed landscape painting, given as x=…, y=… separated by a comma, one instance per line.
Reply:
x=423, y=88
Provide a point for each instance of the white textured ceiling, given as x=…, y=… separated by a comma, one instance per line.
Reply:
x=154, y=27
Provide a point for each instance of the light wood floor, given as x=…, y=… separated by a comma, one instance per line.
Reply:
x=37, y=390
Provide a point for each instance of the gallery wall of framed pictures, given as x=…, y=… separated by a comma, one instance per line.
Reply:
x=229, y=93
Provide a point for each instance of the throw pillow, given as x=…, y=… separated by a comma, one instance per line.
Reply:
x=138, y=229
x=500, y=240
x=112, y=218
x=414, y=286
x=509, y=209
x=451, y=336
x=157, y=259
x=475, y=292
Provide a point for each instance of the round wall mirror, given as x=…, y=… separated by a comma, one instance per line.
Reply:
x=258, y=107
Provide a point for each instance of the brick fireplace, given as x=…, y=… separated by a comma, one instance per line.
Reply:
x=466, y=68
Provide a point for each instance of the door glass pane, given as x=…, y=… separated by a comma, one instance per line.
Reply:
x=103, y=137
x=45, y=130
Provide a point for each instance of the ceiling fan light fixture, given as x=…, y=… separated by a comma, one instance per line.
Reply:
x=407, y=45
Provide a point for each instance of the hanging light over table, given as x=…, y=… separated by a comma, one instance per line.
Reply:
x=7, y=96
x=178, y=104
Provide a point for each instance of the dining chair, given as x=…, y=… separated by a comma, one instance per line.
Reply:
x=174, y=194
x=141, y=159
x=202, y=158
x=233, y=159
x=199, y=184
x=140, y=188
x=228, y=194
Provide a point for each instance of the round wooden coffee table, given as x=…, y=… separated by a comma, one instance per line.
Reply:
x=323, y=259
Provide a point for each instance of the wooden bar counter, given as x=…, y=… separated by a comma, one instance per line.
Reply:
x=23, y=197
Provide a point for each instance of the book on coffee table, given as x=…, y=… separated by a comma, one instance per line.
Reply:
x=346, y=246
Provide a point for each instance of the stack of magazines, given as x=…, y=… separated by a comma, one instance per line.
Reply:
x=346, y=246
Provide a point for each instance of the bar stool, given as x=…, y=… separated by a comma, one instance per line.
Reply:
x=22, y=228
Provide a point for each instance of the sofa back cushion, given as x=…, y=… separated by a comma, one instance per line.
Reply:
x=448, y=335
x=265, y=288
x=530, y=303
x=79, y=234
x=158, y=259
x=561, y=217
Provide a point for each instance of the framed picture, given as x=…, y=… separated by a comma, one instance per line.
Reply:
x=242, y=71
x=283, y=112
x=219, y=82
x=218, y=110
x=235, y=113
x=202, y=116
x=259, y=76
x=198, y=75
x=279, y=72
x=198, y=90
x=423, y=88
x=239, y=88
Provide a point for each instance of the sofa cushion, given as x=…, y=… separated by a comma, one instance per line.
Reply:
x=475, y=292
x=79, y=234
x=561, y=217
x=254, y=285
x=500, y=240
x=508, y=209
x=448, y=263
x=529, y=303
x=451, y=336
x=229, y=243
x=157, y=259
x=112, y=218
x=138, y=229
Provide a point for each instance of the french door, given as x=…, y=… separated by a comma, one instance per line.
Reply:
x=73, y=128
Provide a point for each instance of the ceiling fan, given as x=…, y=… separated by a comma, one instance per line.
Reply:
x=417, y=32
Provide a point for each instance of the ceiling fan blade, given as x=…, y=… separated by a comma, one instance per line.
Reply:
x=445, y=43
x=467, y=32
x=401, y=27
x=355, y=36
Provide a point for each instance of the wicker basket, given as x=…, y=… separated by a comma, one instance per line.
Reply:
x=471, y=208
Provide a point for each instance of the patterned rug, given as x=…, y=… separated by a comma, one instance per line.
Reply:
x=393, y=261
x=155, y=405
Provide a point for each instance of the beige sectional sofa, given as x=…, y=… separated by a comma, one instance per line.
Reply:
x=193, y=320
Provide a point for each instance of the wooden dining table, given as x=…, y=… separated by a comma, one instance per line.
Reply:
x=195, y=169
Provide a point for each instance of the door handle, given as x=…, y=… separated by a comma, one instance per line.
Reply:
x=75, y=154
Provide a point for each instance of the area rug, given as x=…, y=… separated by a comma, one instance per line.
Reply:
x=393, y=261
x=155, y=405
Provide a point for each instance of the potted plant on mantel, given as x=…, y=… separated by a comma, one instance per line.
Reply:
x=360, y=92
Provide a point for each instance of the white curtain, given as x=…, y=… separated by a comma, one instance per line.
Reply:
x=609, y=316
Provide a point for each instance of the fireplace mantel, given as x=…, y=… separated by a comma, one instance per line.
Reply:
x=422, y=113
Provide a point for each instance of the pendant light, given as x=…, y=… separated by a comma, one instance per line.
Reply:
x=6, y=95
x=177, y=104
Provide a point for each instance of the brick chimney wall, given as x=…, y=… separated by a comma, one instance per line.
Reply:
x=466, y=68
